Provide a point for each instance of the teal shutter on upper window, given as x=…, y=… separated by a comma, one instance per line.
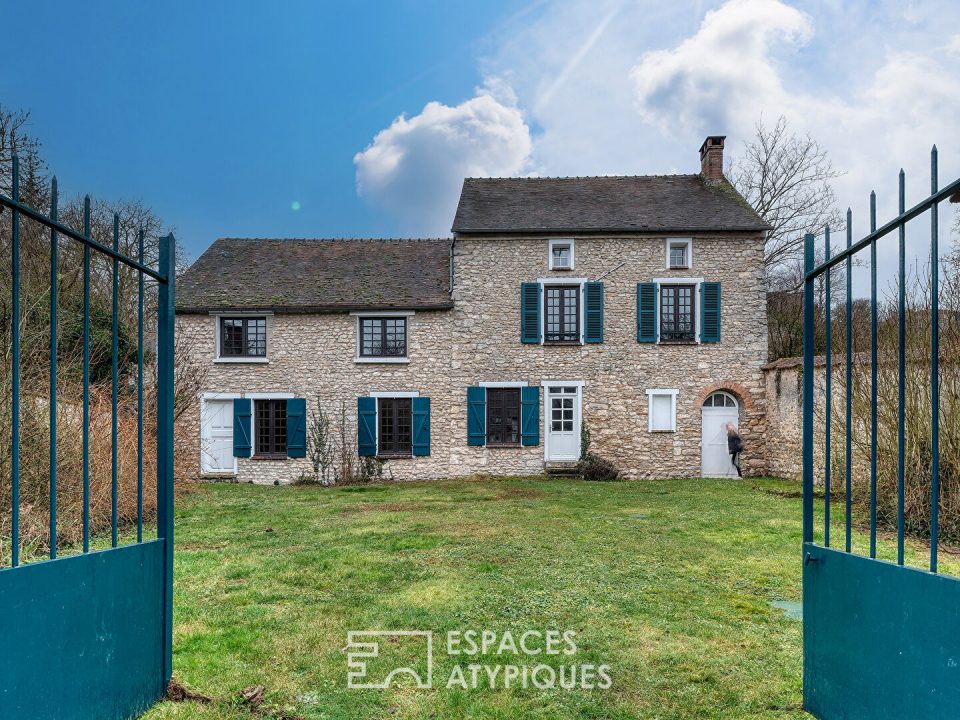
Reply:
x=366, y=426
x=296, y=428
x=420, y=409
x=241, y=427
x=647, y=312
x=476, y=416
x=530, y=415
x=593, y=312
x=530, y=312
x=710, y=312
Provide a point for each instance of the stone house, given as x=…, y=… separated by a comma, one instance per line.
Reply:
x=629, y=307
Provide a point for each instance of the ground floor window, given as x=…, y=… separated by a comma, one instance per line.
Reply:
x=395, y=427
x=662, y=410
x=271, y=419
x=503, y=416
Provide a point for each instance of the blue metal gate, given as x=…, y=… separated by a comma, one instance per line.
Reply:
x=880, y=639
x=90, y=635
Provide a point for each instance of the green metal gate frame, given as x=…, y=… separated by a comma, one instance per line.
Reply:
x=880, y=640
x=91, y=635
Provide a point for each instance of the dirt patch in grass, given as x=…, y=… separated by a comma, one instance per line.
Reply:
x=384, y=507
x=519, y=493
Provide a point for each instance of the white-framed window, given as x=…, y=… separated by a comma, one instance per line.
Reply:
x=561, y=252
x=383, y=337
x=242, y=337
x=679, y=253
x=662, y=410
x=678, y=309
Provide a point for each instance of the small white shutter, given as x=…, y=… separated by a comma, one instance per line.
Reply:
x=661, y=407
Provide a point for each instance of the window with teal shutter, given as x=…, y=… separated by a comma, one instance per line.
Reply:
x=366, y=426
x=296, y=428
x=530, y=312
x=593, y=312
x=710, y=312
x=476, y=416
x=530, y=415
x=420, y=409
x=241, y=427
x=647, y=312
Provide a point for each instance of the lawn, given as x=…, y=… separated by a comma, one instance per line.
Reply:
x=668, y=583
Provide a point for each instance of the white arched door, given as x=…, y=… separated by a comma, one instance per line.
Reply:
x=718, y=410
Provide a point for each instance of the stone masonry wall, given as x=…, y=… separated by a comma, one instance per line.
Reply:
x=312, y=356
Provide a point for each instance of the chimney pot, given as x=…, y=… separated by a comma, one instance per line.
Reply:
x=711, y=158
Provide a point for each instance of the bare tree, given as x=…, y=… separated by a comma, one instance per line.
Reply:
x=786, y=178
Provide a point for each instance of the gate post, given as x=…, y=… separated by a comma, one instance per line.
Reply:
x=808, y=345
x=165, y=374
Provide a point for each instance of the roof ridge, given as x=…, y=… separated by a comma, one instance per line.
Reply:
x=587, y=177
x=334, y=239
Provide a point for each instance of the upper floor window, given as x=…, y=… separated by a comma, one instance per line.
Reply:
x=503, y=416
x=395, y=431
x=383, y=337
x=271, y=428
x=562, y=313
x=679, y=254
x=677, y=313
x=561, y=254
x=243, y=337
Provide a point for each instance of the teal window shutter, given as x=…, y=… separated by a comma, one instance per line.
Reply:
x=530, y=415
x=530, y=312
x=296, y=428
x=476, y=416
x=647, y=312
x=710, y=312
x=366, y=426
x=593, y=312
x=420, y=409
x=241, y=427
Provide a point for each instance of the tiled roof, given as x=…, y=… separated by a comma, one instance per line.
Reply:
x=648, y=203
x=318, y=276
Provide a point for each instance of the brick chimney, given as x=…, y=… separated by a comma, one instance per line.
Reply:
x=711, y=158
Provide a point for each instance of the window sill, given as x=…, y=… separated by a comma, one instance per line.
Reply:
x=562, y=342
x=371, y=360
x=678, y=342
x=504, y=446
x=395, y=456
x=269, y=457
x=679, y=267
x=661, y=432
x=244, y=360
x=561, y=269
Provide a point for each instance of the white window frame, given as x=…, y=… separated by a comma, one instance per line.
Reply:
x=660, y=392
x=568, y=242
x=240, y=314
x=697, y=283
x=688, y=242
x=253, y=396
x=559, y=282
x=377, y=394
x=359, y=315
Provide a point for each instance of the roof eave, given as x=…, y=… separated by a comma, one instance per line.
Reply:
x=607, y=231
x=308, y=309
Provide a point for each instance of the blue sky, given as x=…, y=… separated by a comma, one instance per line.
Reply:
x=222, y=115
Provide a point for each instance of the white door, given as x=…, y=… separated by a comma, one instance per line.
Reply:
x=563, y=423
x=216, y=437
x=718, y=410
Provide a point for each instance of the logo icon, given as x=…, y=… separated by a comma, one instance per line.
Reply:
x=363, y=648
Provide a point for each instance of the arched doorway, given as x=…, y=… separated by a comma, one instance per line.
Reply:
x=718, y=409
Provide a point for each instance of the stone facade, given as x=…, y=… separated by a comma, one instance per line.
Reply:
x=312, y=356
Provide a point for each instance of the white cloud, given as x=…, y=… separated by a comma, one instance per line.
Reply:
x=717, y=77
x=415, y=167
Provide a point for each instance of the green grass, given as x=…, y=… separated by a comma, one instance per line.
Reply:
x=669, y=583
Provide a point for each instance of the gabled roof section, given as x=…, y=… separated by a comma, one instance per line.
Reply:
x=642, y=203
x=318, y=276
